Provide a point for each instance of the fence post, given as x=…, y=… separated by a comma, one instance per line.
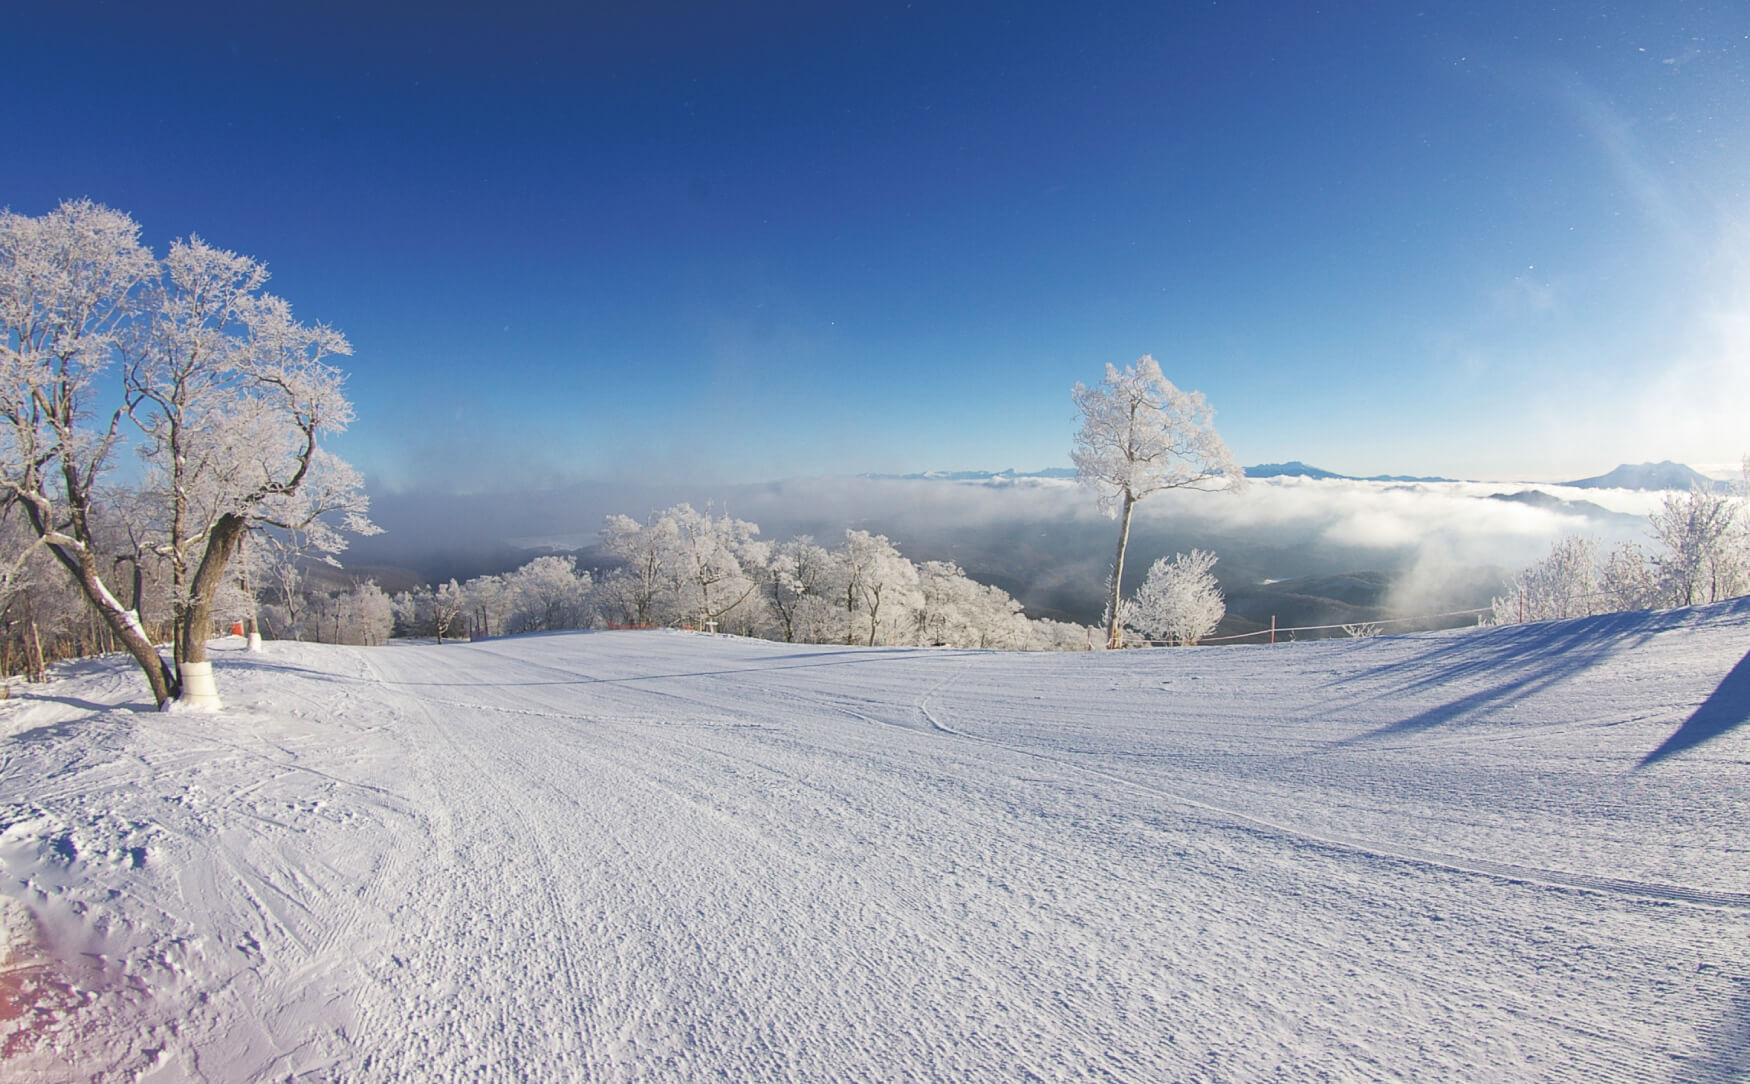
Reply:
x=1272, y=628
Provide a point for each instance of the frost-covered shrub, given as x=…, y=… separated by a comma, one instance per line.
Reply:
x=1564, y=584
x=1179, y=600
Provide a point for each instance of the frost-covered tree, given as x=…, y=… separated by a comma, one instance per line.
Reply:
x=448, y=604
x=43, y=619
x=17, y=546
x=431, y=611
x=1049, y=635
x=648, y=551
x=367, y=616
x=1141, y=435
x=818, y=619
x=39, y=613
x=614, y=601
x=180, y=352
x=711, y=585
x=490, y=605
x=681, y=565
x=278, y=561
x=878, y=585
x=546, y=594
x=1703, y=560
x=229, y=394
x=1741, y=498
x=68, y=284
x=1180, y=599
x=947, y=612
x=955, y=611
x=362, y=614
x=684, y=566
x=1703, y=555
x=1741, y=491
x=795, y=572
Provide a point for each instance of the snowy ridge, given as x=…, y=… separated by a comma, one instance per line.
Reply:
x=1511, y=854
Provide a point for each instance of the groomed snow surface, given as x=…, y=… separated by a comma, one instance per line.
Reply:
x=1501, y=854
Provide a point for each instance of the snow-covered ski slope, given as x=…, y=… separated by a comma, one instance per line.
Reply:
x=1503, y=854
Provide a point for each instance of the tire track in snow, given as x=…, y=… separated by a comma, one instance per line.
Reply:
x=1024, y=1005
x=309, y=905
x=1023, y=997
x=411, y=1021
x=369, y=904
x=667, y=760
x=1511, y=872
x=531, y=835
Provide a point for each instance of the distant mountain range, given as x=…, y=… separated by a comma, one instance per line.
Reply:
x=1294, y=468
x=1641, y=476
x=997, y=476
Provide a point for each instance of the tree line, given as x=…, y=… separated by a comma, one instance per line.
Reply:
x=706, y=570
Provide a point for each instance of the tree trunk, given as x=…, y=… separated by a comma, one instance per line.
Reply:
x=197, y=617
x=125, y=623
x=34, y=662
x=1114, y=621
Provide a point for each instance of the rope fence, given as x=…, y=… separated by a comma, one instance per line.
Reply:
x=1346, y=625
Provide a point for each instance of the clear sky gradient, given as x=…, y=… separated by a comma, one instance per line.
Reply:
x=739, y=242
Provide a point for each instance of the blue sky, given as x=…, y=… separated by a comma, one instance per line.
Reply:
x=677, y=241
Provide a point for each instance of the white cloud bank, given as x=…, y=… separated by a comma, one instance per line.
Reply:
x=1046, y=540
x=1381, y=524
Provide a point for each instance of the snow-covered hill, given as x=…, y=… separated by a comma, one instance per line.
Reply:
x=1504, y=854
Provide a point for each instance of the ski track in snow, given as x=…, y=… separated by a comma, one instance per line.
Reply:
x=662, y=856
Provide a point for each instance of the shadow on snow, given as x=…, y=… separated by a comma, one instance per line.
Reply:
x=1726, y=709
x=1528, y=659
x=1726, y=1045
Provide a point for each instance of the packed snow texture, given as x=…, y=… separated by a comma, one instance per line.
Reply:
x=1507, y=854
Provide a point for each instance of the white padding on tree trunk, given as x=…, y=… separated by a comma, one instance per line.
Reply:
x=198, y=688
